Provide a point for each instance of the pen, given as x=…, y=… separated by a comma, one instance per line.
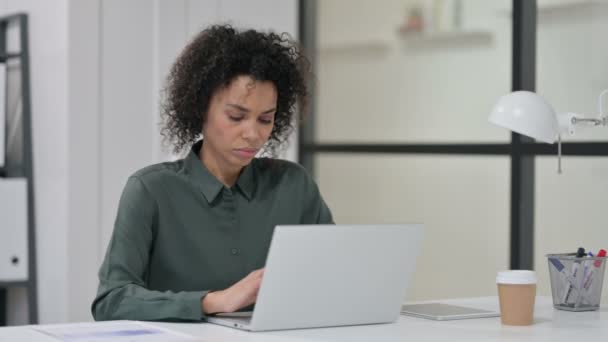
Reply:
x=600, y=254
x=575, y=266
x=586, y=269
x=596, y=264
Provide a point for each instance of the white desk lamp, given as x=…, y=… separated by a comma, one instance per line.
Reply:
x=529, y=114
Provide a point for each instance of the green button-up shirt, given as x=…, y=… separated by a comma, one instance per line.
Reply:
x=180, y=233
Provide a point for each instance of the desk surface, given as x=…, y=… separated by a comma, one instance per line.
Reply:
x=550, y=325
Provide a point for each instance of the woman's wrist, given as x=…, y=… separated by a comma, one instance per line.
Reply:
x=212, y=302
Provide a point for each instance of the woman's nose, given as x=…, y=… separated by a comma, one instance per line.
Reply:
x=250, y=132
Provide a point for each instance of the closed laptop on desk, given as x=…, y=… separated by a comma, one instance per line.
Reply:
x=333, y=275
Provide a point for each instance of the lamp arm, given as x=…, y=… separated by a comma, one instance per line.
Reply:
x=602, y=119
x=594, y=122
x=567, y=121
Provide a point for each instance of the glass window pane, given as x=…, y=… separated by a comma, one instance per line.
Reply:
x=571, y=59
x=379, y=80
x=463, y=202
x=570, y=210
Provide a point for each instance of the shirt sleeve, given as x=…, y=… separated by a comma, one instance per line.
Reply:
x=122, y=292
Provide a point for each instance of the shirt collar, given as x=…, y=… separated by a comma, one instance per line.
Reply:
x=211, y=186
x=246, y=181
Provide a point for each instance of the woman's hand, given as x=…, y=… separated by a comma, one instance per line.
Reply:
x=237, y=296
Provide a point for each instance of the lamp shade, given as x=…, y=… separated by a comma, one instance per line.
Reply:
x=526, y=113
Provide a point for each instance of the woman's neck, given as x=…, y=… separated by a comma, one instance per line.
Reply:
x=224, y=173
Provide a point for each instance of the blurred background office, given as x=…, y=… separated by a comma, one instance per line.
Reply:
x=398, y=131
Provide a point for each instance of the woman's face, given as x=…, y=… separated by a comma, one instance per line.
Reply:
x=240, y=120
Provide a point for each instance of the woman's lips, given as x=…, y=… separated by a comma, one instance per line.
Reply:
x=246, y=152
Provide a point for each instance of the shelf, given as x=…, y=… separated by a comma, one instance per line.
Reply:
x=414, y=38
x=565, y=7
x=459, y=36
x=362, y=46
x=16, y=283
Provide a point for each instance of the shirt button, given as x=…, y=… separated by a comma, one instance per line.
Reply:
x=235, y=251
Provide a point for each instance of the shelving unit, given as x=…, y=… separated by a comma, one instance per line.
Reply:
x=18, y=161
x=441, y=37
x=413, y=38
x=565, y=7
x=376, y=45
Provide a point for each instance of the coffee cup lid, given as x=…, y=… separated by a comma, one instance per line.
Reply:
x=516, y=277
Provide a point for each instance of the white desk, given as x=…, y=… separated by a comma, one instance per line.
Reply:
x=550, y=325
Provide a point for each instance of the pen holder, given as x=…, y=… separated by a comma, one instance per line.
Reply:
x=576, y=283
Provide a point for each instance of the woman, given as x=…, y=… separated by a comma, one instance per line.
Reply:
x=191, y=236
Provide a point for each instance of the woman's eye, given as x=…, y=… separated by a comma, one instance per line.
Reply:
x=266, y=121
x=235, y=118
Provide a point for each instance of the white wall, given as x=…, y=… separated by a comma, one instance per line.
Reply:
x=572, y=71
x=570, y=211
x=376, y=86
x=463, y=202
x=50, y=125
x=84, y=80
x=387, y=88
x=127, y=99
x=97, y=67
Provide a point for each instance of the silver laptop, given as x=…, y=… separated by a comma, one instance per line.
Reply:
x=332, y=275
x=445, y=312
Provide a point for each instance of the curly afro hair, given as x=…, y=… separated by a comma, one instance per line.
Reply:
x=215, y=57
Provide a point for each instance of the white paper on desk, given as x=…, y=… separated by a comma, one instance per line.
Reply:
x=131, y=331
x=2, y=112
